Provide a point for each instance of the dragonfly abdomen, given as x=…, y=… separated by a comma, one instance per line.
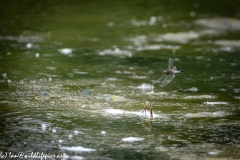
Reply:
x=178, y=71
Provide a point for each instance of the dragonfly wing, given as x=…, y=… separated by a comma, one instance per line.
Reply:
x=161, y=78
x=87, y=90
x=167, y=80
x=174, y=68
x=170, y=63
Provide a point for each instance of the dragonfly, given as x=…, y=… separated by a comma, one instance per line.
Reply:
x=86, y=91
x=169, y=74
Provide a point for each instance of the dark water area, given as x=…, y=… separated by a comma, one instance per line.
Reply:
x=77, y=79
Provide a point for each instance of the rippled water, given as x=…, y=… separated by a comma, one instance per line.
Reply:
x=74, y=78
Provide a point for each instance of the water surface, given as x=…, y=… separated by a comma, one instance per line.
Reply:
x=75, y=75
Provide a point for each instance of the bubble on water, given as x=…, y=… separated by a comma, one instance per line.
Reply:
x=103, y=132
x=192, y=14
x=54, y=130
x=164, y=25
x=29, y=45
x=60, y=140
x=37, y=55
x=66, y=51
x=153, y=20
x=70, y=136
x=192, y=89
x=44, y=126
x=110, y=24
x=76, y=132
x=132, y=139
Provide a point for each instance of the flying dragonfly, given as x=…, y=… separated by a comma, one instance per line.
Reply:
x=168, y=74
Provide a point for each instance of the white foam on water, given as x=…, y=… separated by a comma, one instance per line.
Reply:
x=201, y=97
x=132, y=139
x=116, y=52
x=37, y=55
x=141, y=113
x=29, y=45
x=146, y=114
x=114, y=111
x=161, y=149
x=66, y=51
x=206, y=114
x=70, y=136
x=179, y=37
x=192, y=89
x=213, y=103
x=44, y=126
x=78, y=149
x=60, y=141
x=77, y=157
x=145, y=86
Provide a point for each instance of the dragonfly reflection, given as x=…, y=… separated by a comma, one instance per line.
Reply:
x=168, y=74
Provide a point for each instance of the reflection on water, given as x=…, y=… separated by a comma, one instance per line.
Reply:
x=74, y=78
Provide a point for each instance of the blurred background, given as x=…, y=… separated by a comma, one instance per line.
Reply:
x=53, y=51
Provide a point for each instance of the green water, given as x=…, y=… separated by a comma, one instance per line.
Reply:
x=53, y=53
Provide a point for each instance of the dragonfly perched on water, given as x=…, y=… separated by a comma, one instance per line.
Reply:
x=86, y=91
x=168, y=74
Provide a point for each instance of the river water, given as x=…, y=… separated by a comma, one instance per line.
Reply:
x=75, y=77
